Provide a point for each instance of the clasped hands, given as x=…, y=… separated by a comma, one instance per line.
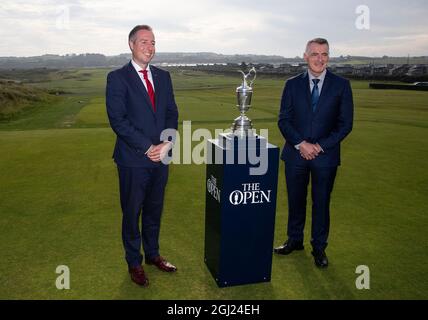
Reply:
x=309, y=151
x=157, y=152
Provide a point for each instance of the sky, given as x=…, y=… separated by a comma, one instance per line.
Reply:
x=271, y=27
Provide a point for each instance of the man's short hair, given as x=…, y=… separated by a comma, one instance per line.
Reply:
x=134, y=31
x=319, y=41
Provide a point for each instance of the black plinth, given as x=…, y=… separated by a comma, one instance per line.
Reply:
x=240, y=209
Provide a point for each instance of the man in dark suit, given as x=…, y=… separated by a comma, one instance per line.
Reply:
x=316, y=115
x=140, y=105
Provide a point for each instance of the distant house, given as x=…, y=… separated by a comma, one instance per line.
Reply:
x=399, y=70
x=284, y=68
x=380, y=70
x=301, y=67
x=417, y=70
x=265, y=67
x=294, y=68
x=344, y=69
x=362, y=70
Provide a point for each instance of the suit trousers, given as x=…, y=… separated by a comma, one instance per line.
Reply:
x=141, y=194
x=297, y=180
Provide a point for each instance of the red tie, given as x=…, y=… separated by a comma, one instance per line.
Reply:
x=150, y=90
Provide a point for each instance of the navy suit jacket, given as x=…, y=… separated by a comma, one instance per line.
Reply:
x=131, y=115
x=328, y=125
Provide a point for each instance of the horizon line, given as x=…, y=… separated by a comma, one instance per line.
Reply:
x=209, y=52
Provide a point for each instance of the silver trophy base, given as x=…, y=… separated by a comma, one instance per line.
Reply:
x=242, y=127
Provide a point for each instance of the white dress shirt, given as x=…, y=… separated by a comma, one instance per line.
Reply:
x=140, y=74
x=321, y=77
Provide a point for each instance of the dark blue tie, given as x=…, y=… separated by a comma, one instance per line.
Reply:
x=315, y=94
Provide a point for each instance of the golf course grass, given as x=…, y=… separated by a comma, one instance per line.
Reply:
x=59, y=200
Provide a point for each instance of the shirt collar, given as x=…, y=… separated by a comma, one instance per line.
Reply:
x=138, y=68
x=321, y=76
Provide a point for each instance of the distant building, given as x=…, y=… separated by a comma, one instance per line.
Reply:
x=380, y=70
x=362, y=70
x=343, y=69
x=417, y=70
x=399, y=70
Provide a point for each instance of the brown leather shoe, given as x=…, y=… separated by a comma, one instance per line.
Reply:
x=138, y=276
x=162, y=264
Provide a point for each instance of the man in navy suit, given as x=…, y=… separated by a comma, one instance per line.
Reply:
x=316, y=115
x=140, y=105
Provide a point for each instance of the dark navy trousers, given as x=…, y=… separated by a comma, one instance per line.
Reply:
x=322, y=180
x=141, y=195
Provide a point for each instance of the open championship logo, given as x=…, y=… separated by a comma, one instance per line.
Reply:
x=250, y=193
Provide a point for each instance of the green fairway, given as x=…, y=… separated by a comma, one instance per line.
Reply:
x=59, y=201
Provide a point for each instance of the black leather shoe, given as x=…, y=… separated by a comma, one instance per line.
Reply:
x=320, y=258
x=288, y=247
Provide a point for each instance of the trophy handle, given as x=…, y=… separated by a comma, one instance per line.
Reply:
x=245, y=76
x=253, y=69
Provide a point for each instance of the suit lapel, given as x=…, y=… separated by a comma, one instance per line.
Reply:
x=307, y=90
x=138, y=84
x=324, y=91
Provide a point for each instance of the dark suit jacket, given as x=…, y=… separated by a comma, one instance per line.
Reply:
x=328, y=125
x=132, y=117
